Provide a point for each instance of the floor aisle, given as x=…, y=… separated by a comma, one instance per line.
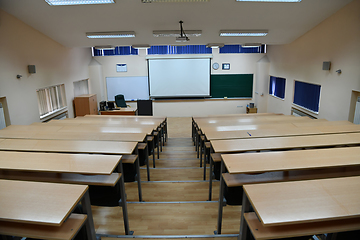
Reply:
x=175, y=200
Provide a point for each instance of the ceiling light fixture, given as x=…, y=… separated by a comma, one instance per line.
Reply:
x=118, y=34
x=105, y=47
x=243, y=33
x=141, y=46
x=77, y=2
x=166, y=1
x=249, y=45
x=215, y=45
x=268, y=0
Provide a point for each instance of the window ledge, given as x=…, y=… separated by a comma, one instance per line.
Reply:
x=307, y=111
x=53, y=114
x=283, y=99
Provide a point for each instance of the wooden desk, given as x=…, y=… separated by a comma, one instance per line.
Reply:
x=282, y=143
x=253, y=163
x=67, y=168
x=283, y=132
x=251, y=110
x=259, y=144
x=59, y=163
x=283, y=203
x=121, y=111
x=68, y=146
x=24, y=202
x=62, y=146
x=250, y=163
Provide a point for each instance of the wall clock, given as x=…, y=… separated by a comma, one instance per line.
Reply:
x=215, y=66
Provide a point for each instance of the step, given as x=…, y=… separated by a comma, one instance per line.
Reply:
x=172, y=191
x=198, y=218
x=174, y=174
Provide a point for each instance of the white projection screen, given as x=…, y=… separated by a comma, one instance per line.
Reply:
x=180, y=77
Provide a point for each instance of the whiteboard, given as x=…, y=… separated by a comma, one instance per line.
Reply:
x=132, y=88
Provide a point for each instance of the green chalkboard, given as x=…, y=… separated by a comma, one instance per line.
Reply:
x=231, y=85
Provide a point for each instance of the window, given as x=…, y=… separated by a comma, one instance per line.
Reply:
x=307, y=95
x=51, y=101
x=120, y=50
x=188, y=49
x=240, y=49
x=277, y=87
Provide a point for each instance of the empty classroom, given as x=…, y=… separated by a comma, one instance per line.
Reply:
x=170, y=119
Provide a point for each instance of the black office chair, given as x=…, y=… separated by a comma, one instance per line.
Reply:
x=120, y=101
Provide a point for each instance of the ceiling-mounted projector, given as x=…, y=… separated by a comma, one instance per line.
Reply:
x=182, y=39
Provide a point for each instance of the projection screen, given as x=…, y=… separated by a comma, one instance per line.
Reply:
x=181, y=77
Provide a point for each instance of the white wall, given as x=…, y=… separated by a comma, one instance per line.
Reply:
x=137, y=66
x=20, y=46
x=337, y=39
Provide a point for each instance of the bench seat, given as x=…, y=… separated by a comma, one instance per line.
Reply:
x=66, y=231
x=261, y=232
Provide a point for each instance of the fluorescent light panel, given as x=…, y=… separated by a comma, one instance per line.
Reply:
x=215, y=45
x=176, y=33
x=249, y=45
x=77, y=2
x=110, y=34
x=268, y=0
x=243, y=33
x=166, y=1
x=105, y=47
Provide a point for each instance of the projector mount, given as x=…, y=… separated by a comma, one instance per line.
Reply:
x=183, y=37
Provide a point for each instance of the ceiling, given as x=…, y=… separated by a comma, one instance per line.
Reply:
x=68, y=24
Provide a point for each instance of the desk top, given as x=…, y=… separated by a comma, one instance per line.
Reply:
x=120, y=137
x=38, y=203
x=291, y=160
x=242, y=115
x=59, y=163
x=98, y=129
x=68, y=146
x=108, y=121
x=249, y=127
x=282, y=132
x=256, y=144
x=250, y=120
x=305, y=201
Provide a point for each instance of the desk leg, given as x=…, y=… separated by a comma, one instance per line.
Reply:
x=138, y=175
x=124, y=204
x=160, y=138
x=197, y=142
x=243, y=224
x=203, y=144
x=89, y=224
x=200, y=150
x=153, y=151
x=147, y=160
x=221, y=199
x=210, y=175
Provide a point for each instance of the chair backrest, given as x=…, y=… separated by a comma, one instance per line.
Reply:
x=120, y=101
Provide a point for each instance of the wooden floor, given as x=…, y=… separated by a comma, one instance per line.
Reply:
x=175, y=199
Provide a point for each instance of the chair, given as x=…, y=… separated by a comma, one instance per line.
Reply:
x=120, y=101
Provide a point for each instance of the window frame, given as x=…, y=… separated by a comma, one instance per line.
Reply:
x=51, y=101
x=306, y=107
x=275, y=87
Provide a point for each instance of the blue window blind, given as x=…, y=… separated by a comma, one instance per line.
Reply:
x=307, y=95
x=277, y=87
x=189, y=49
x=120, y=50
x=239, y=49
